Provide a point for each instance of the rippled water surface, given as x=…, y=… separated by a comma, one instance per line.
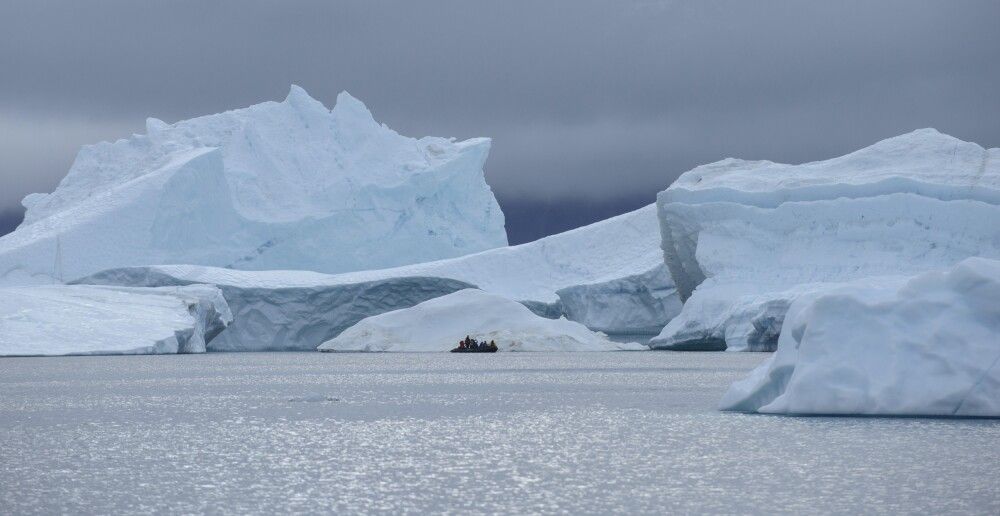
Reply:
x=576, y=433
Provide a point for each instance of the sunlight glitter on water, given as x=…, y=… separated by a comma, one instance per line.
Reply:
x=579, y=433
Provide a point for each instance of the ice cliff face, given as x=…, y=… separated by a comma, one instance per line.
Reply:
x=608, y=276
x=278, y=185
x=927, y=346
x=743, y=239
x=638, y=304
x=82, y=320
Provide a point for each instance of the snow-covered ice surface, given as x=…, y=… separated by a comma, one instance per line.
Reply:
x=278, y=185
x=930, y=347
x=608, y=276
x=80, y=320
x=743, y=239
x=430, y=433
x=438, y=325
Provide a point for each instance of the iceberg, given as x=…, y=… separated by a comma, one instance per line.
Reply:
x=94, y=320
x=608, y=276
x=438, y=325
x=928, y=346
x=295, y=311
x=278, y=185
x=744, y=239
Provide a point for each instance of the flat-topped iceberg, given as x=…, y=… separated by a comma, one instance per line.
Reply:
x=93, y=320
x=930, y=347
x=438, y=325
x=295, y=315
x=608, y=276
x=744, y=239
x=278, y=185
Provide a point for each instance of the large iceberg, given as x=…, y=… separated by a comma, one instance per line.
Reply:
x=608, y=276
x=92, y=320
x=930, y=347
x=295, y=313
x=278, y=185
x=438, y=325
x=744, y=239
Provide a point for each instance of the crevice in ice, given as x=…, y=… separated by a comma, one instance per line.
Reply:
x=976, y=384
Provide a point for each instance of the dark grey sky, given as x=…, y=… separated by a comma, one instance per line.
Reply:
x=593, y=106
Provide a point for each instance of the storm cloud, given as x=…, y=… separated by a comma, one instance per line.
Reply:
x=593, y=106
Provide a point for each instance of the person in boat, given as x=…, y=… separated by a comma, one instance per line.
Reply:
x=461, y=344
x=493, y=345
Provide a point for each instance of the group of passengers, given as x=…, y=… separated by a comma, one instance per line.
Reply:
x=473, y=345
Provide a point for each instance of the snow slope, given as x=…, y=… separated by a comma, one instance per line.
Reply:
x=64, y=320
x=276, y=185
x=608, y=276
x=743, y=239
x=928, y=348
x=438, y=325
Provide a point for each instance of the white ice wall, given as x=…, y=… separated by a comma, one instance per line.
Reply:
x=742, y=239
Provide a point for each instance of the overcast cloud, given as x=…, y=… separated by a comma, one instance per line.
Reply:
x=596, y=102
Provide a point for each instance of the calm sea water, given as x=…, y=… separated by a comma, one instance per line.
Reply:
x=513, y=433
